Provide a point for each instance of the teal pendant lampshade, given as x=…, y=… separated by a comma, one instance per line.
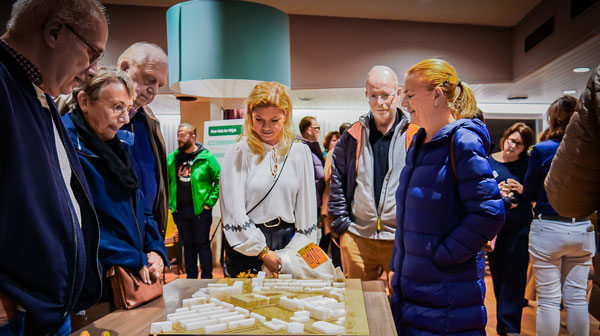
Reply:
x=222, y=48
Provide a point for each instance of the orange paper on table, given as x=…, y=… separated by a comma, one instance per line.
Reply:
x=313, y=255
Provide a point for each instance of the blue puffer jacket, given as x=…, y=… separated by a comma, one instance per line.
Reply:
x=127, y=228
x=443, y=223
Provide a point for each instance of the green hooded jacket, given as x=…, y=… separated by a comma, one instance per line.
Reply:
x=204, y=180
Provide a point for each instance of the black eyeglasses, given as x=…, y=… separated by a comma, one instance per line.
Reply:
x=96, y=55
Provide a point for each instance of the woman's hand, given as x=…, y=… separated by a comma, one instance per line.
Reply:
x=514, y=185
x=272, y=261
x=145, y=275
x=156, y=264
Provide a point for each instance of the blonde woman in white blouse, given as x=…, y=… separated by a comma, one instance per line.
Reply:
x=266, y=162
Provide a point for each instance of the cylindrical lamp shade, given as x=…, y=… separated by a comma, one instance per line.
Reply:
x=222, y=48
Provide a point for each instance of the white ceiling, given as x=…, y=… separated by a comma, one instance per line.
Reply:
x=505, y=13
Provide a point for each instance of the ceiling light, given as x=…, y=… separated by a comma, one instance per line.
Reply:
x=582, y=69
x=517, y=97
x=570, y=92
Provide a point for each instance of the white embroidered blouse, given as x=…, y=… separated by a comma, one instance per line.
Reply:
x=245, y=181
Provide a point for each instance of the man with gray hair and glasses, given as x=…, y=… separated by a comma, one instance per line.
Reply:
x=367, y=161
x=48, y=228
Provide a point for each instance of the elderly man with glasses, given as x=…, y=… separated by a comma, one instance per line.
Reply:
x=367, y=161
x=49, y=231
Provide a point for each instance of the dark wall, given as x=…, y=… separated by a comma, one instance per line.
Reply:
x=5, y=8
x=496, y=128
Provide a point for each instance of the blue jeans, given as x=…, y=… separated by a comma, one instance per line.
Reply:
x=16, y=326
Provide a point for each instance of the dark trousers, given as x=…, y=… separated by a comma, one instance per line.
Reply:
x=328, y=243
x=194, y=234
x=508, y=265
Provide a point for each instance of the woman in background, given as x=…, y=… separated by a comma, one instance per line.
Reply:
x=331, y=140
x=267, y=185
x=448, y=207
x=510, y=257
x=561, y=248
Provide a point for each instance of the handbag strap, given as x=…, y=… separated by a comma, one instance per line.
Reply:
x=262, y=199
x=274, y=183
x=452, y=157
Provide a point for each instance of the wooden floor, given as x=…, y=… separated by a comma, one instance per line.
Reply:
x=528, y=320
x=527, y=324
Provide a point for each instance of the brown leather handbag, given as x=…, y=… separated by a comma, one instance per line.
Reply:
x=129, y=291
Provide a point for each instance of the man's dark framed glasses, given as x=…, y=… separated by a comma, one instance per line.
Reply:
x=96, y=55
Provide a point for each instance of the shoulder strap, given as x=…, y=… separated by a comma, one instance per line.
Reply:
x=452, y=157
x=274, y=183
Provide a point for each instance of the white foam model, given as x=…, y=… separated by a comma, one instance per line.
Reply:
x=215, y=328
x=258, y=317
x=205, y=310
x=242, y=311
x=295, y=328
x=328, y=328
x=199, y=324
x=247, y=322
x=273, y=326
x=163, y=326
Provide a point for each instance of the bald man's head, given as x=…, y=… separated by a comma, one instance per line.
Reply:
x=382, y=93
x=148, y=66
x=382, y=72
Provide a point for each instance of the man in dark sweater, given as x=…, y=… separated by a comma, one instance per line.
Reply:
x=48, y=229
x=147, y=65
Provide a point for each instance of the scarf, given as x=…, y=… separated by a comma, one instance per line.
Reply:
x=113, y=153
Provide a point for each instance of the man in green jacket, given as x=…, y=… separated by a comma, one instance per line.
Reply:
x=194, y=190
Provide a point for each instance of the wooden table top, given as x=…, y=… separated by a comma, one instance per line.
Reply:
x=137, y=321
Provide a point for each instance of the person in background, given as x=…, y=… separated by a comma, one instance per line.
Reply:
x=343, y=128
x=367, y=162
x=267, y=185
x=331, y=140
x=561, y=248
x=147, y=65
x=309, y=135
x=448, y=207
x=49, y=231
x=510, y=257
x=129, y=236
x=326, y=241
x=573, y=182
x=194, y=190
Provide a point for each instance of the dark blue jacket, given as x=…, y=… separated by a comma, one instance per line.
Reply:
x=127, y=229
x=540, y=160
x=443, y=223
x=48, y=263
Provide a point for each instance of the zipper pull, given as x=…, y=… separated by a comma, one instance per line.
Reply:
x=378, y=224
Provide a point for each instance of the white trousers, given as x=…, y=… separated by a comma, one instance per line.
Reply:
x=561, y=255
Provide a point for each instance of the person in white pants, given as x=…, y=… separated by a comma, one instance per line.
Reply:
x=561, y=248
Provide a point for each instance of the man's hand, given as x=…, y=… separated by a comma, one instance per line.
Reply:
x=156, y=264
x=206, y=207
x=391, y=280
x=145, y=275
x=272, y=261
